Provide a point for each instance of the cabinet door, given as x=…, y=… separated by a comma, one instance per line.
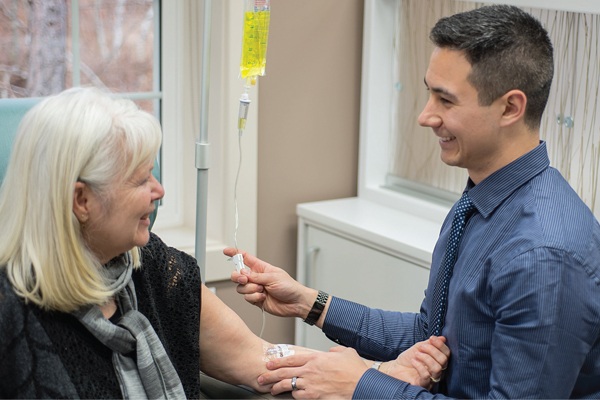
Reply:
x=357, y=272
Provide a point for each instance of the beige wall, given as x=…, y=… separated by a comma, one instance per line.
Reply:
x=309, y=104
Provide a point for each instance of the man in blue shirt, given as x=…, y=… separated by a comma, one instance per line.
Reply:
x=523, y=304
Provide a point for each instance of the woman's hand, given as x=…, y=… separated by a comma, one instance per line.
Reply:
x=422, y=364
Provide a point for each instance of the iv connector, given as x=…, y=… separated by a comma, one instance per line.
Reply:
x=238, y=260
x=243, y=111
x=244, y=106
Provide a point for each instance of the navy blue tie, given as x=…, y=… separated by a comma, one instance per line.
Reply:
x=463, y=210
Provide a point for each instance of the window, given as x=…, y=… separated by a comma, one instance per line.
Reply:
x=400, y=165
x=49, y=46
x=151, y=52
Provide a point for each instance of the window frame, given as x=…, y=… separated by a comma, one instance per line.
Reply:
x=375, y=149
x=155, y=94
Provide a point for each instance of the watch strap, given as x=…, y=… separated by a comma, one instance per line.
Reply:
x=376, y=365
x=317, y=308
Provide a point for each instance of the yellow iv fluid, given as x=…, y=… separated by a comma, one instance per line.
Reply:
x=254, y=44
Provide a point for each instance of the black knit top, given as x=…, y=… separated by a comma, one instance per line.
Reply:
x=51, y=355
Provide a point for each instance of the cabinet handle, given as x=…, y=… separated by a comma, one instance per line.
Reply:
x=310, y=263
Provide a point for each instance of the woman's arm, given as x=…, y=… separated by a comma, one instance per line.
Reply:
x=229, y=350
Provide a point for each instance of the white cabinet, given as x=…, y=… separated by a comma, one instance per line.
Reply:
x=364, y=252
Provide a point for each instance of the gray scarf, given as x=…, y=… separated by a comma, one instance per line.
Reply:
x=141, y=364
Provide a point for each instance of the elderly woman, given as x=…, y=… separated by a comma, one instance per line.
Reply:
x=92, y=305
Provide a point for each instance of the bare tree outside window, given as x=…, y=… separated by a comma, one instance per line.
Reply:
x=41, y=54
x=47, y=50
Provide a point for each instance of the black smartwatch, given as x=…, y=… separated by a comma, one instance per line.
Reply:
x=317, y=308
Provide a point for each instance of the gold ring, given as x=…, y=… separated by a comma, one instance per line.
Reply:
x=435, y=380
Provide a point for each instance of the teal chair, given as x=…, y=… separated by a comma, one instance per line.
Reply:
x=11, y=113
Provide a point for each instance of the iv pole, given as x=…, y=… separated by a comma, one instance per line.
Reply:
x=202, y=147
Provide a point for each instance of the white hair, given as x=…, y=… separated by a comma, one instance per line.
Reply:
x=81, y=134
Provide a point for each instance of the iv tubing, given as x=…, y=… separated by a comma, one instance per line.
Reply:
x=242, y=116
x=235, y=201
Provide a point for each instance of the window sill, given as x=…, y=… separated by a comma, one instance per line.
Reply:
x=218, y=268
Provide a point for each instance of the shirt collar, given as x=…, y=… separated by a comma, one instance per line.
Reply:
x=497, y=187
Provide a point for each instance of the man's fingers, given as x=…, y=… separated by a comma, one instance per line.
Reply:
x=273, y=376
x=294, y=361
x=249, y=260
x=230, y=251
x=250, y=288
x=337, y=349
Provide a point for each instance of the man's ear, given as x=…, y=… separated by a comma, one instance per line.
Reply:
x=80, y=202
x=514, y=103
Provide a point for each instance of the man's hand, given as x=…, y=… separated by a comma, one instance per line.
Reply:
x=328, y=375
x=271, y=288
x=335, y=374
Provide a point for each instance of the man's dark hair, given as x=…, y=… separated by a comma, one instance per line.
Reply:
x=507, y=49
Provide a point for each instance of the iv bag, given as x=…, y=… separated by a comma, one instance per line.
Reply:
x=257, y=14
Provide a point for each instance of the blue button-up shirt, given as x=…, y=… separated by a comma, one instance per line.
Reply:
x=523, y=317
